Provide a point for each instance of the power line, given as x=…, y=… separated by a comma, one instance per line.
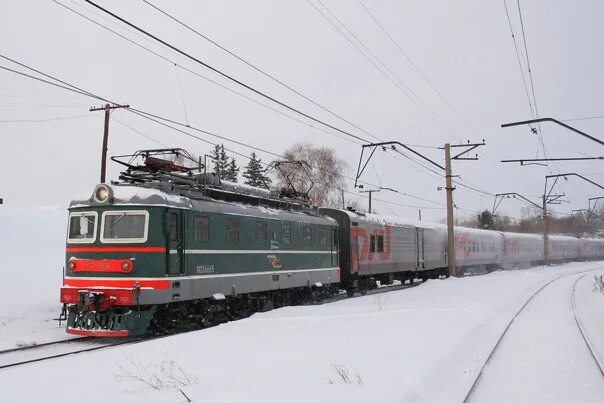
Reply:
x=528, y=62
x=518, y=57
x=225, y=75
x=393, y=78
x=47, y=120
x=139, y=132
x=161, y=120
x=206, y=78
x=256, y=68
x=530, y=73
x=419, y=71
x=584, y=118
x=221, y=85
x=532, y=108
x=41, y=100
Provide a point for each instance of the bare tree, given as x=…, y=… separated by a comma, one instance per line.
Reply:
x=325, y=169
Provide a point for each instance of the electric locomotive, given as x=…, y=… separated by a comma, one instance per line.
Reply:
x=164, y=247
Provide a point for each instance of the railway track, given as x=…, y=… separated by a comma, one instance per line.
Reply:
x=18, y=356
x=46, y=351
x=495, y=348
x=584, y=335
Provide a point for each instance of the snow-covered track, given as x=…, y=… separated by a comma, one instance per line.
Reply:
x=584, y=335
x=35, y=346
x=47, y=351
x=475, y=383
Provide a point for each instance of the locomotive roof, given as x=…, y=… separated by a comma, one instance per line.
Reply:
x=124, y=195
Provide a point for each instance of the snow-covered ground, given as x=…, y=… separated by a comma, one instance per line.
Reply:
x=420, y=344
x=32, y=242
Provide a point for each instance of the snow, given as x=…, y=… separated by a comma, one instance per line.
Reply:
x=33, y=253
x=420, y=344
x=543, y=356
x=135, y=195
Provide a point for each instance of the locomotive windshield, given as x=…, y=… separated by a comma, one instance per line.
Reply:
x=124, y=226
x=82, y=227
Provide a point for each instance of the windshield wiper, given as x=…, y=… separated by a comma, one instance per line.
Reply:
x=115, y=222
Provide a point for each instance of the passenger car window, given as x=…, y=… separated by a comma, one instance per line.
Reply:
x=232, y=230
x=372, y=243
x=380, y=243
x=201, y=229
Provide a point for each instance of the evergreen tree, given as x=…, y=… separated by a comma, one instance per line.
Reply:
x=220, y=161
x=232, y=172
x=254, y=173
x=216, y=159
x=224, y=162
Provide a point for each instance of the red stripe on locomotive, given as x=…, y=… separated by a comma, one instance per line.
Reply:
x=136, y=249
x=117, y=283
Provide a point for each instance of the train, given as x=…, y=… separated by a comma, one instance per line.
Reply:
x=165, y=248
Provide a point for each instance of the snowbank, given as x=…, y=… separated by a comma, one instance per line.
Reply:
x=33, y=248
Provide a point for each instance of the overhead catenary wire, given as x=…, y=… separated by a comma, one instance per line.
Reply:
x=380, y=66
x=221, y=85
x=227, y=76
x=414, y=65
x=47, y=120
x=258, y=69
x=172, y=62
x=584, y=118
x=182, y=95
x=162, y=120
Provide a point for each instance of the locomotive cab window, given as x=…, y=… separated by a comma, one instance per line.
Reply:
x=232, y=230
x=129, y=226
x=82, y=227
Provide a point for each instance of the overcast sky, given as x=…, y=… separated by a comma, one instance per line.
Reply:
x=463, y=48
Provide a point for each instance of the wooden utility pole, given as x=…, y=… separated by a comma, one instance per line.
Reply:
x=450, y=227
x=370, y=193
x=107, y=108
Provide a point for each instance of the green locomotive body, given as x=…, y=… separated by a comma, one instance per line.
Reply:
x=138, y=256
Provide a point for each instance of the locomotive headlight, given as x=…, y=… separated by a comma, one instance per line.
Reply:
x=102, y=193
x=71, y=265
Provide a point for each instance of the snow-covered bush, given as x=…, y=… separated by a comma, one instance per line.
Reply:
x=166, y=375
x=345, y=375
